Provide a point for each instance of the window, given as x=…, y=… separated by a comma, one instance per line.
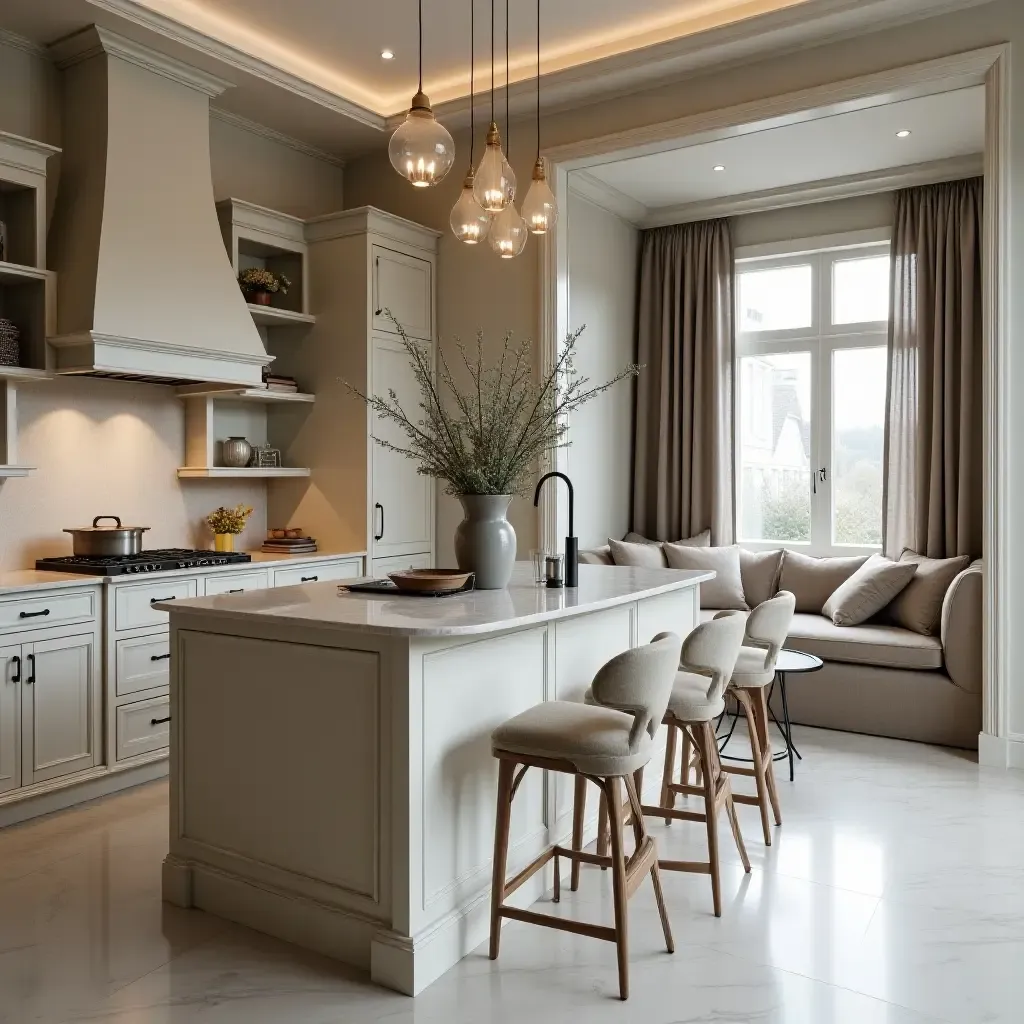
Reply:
x=811, y=382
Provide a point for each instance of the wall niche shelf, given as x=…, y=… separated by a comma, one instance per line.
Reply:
x=222, y=394
x=271, y=316
x=245, y=473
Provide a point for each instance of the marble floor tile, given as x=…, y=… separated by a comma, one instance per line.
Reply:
x=893, y=893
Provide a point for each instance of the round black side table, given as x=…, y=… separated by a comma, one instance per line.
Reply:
x=788, y=661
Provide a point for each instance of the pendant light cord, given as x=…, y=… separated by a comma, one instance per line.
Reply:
x=472, y=72
x=421, y=44
x=508, y=123
x=492, y=61
x=538, y=79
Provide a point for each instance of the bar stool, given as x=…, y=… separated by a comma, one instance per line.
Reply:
x=767, y=628
x=604, y=742
x=706, y=664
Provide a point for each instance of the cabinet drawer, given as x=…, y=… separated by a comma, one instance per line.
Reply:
x=143, y=663
x=382, y=566
x=41, y=610
x=133, y=604
x=143, y=727
x=235, y=582
x=318, y=572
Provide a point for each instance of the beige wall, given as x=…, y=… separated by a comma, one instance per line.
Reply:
x=840, y=215
x=494, y=292
x=108, y=447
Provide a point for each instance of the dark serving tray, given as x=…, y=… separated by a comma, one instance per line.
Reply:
x=392, y=589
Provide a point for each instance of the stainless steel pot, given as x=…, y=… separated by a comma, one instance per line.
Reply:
x=102, y=541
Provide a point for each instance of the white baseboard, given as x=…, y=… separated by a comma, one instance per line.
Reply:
x=1001, y=751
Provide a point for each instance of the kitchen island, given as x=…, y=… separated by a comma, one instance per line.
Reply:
x=331, y=773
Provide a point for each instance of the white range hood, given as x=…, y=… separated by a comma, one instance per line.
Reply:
x=144, y=284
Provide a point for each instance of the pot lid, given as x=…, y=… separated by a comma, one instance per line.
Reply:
x=108, y=528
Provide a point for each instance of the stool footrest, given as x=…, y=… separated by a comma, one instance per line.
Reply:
x=678, y=787
x=563, y=924
x=736, y=770
x=745, y=798
x=639, y=864
x=697, y=867
x=672, y=812
x=582, y=856
x=528, y=872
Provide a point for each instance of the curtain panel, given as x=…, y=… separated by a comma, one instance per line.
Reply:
x=683, y=473
x=932, y=498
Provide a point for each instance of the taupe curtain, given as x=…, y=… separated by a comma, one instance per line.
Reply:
x=933, y=455
x=683, y=467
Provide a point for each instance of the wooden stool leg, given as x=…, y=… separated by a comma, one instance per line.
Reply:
x=687, y=757
x=749, y=701
x=704, y=738
x=640, y=835
x=602, y=827
x=668, y=796
x=618, y=884
x=579, y=809
x=761, y=705
x=501, y=824
x=730, y=808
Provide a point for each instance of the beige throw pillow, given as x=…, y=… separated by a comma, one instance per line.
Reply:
x=813, y=580
x=701, y=540
x=868, y=590
x=918, y=607
x=647, y=555
x=760, y=573
x=726, y=589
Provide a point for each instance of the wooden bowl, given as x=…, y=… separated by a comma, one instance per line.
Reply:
x=436, y=580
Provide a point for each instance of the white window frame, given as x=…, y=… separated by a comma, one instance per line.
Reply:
x=821, y=339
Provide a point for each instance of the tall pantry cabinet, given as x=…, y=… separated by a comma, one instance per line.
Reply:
x=361, y=262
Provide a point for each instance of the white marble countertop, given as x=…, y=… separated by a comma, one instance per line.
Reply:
x=17, y=580
x=523, y=603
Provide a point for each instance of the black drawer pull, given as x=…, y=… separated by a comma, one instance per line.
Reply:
x=32, y=668
x=237, y=590
x=159, y=721
x=309, y=579
x=16, y=661
x=154, y=600
x=159, y=657
x=33, y=615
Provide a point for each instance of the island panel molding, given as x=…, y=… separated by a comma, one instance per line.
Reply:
x=332, y=782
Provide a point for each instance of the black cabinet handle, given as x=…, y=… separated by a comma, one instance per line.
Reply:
x=16, y=678
x=32, y=668
x=237, y=590
x=159, y=657
x=308, y=579
x=379, y=536
x=159, y=721
x=154, y=600
x=33, y=615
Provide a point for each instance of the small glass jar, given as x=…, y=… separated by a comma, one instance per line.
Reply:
x=553, y=571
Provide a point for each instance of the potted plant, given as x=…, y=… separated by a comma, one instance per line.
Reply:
x=226, y=524
x=485, y=440
x=258, y=284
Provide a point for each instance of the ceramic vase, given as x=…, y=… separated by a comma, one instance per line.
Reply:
x=485, y=542
x=237, y=452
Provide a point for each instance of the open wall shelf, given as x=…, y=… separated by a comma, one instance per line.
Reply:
x=271, y=316
x=245, y=473
x=222, y=394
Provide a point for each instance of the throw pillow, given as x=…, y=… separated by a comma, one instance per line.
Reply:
x=701, y=540
x=639, y=538
x=726, y=589
x=645, y=556
x=868, y=590
x=760, y=573
x=918, y=607
x=813, y=580
x=597, y=556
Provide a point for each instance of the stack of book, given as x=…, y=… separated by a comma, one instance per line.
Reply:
x=279, y=382
x=290, y=545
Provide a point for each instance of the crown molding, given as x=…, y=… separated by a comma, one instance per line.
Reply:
x=17, y=42
x=237, y=59
x=607, y=197
x=94, y=40
x=255, y=128
x=826, y=190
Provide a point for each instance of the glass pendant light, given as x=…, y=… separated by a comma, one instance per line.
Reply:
x=540, y=211
x=469, y=220
x=495, y=184
x=421, y=149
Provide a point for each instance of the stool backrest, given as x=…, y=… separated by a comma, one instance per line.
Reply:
x=711, y=649
x=640, y=681
x=768, y=626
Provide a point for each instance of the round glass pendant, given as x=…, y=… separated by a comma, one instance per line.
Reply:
x=508, y=233
x=495, y=184
x=421, y=150
x=540, y=211
x=469, y=220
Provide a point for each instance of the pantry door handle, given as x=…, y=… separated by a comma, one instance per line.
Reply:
x=379, y=536
x=33, y=615
x=16, y=660
x=159, y=721
x=159, y=657
x=32, y=668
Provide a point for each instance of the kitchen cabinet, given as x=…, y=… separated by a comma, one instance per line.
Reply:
x=404, y=285
x=382, y=566
x=235, y=582
x=318, y=572
x=10, y=717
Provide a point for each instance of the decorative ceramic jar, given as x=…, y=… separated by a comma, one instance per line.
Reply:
x=10, y=351
x=485, y=542
x=223, y=542
x=237, y=452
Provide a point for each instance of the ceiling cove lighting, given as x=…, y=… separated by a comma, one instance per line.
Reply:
x=469, y=221
x=421, y=150
x=719, y=167
x=902, y=133
x=387, y=54
x=540, y=211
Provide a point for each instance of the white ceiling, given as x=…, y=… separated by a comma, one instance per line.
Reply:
x=948, y=125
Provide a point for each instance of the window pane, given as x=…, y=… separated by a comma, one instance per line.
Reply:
x=858, y=426
x=776, y=300
x=775, y=447
x=860, y=290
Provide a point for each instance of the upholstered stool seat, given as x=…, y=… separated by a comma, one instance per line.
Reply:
x=691, y=701
x=750, y=668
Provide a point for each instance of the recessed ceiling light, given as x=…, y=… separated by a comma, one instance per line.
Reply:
x=719, y=167
x=387, y=54
x=902, y=133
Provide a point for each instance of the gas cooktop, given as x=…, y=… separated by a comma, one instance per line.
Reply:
x=160, y=560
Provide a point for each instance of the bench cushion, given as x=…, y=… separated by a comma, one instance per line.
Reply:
x=868, y=644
